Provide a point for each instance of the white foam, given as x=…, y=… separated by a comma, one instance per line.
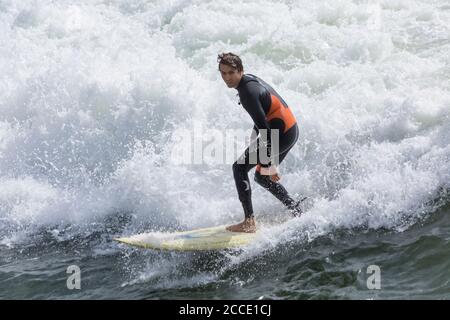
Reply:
x=93, y=91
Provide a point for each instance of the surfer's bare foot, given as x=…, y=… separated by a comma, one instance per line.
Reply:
x=248, y=225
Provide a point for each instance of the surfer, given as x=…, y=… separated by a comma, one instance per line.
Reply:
x=269, y=113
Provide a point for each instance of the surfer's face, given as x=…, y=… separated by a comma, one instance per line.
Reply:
x=230, y=76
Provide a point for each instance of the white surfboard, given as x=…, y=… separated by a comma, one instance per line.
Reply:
x=214, y=238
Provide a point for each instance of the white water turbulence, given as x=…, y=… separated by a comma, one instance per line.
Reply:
x=93, y=94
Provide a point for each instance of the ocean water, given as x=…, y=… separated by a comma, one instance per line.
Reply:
x=95, y=93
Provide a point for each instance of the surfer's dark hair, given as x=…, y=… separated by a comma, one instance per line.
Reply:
x=231, y=60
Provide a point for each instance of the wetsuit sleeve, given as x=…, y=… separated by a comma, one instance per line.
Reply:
x=252, y=104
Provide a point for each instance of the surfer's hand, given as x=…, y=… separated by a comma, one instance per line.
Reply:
x=275, y=177
x=272, y=172
x=269, y=171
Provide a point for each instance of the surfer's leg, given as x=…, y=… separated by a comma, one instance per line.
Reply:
x=240, y=172
x=279, y=192
x=277, y=188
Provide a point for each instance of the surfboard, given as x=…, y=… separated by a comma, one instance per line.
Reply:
x=214, y=238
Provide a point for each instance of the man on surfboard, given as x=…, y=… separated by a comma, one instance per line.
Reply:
x=272, y=117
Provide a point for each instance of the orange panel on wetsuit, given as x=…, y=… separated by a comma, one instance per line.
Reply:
x=279, y=111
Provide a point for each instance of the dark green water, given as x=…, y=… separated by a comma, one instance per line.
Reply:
x=414, y=264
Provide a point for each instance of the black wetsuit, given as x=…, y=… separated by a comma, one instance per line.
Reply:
x=268, y=111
